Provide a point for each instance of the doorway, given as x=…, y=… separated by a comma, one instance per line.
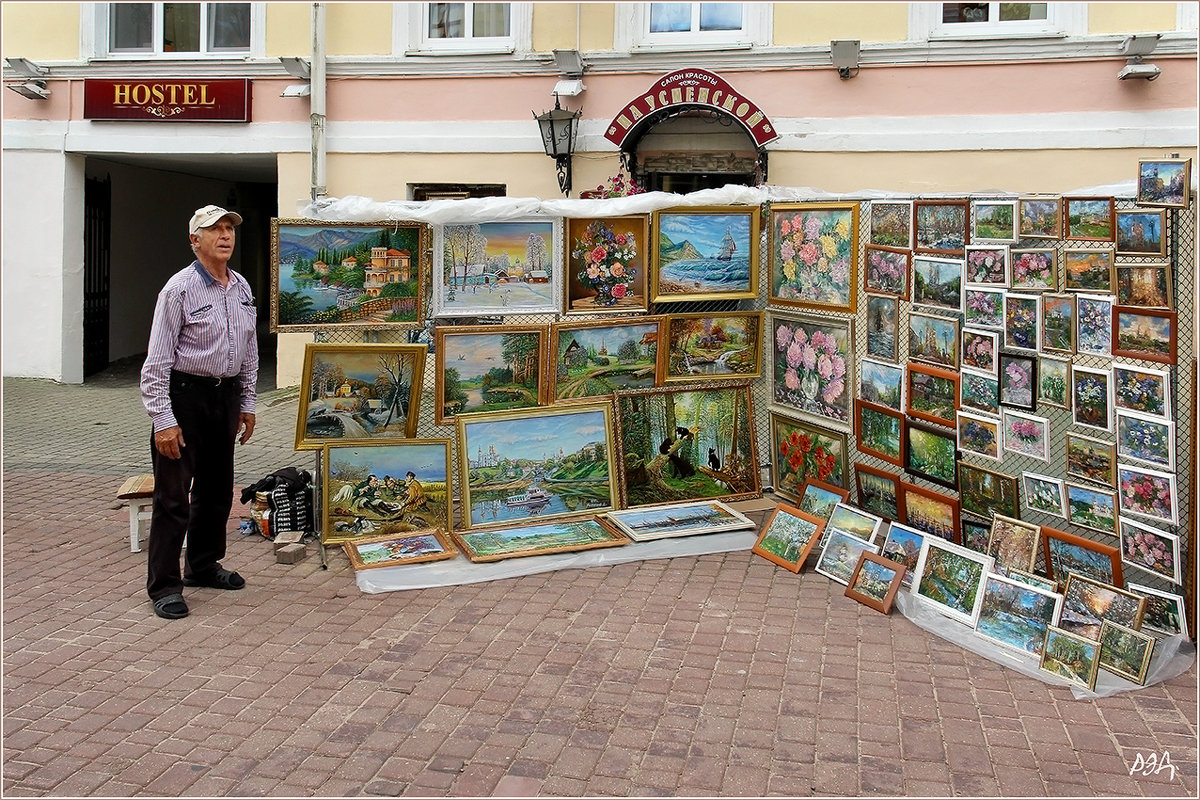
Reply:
x=691, y=149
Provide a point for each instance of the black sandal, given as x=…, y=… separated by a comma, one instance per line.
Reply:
x=171, y=607
x=220, y=579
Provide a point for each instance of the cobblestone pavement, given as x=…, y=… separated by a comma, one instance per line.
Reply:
x=712, y=675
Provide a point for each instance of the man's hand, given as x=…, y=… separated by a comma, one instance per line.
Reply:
x=246, y=424
x=169, y=441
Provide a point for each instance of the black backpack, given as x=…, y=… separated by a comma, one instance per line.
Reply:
x=291, y=498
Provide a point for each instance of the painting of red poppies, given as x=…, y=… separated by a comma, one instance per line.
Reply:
x=801, y=451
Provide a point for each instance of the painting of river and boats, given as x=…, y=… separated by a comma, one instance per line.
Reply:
x=547, y=462
x=678, y=519
x=499, y=268
x=706, y=253
x=564, y=536
x=488, y=368
x=358, y=391
x=714, y=346
x=1016, y=614
x=346, y=274
x=594, y=359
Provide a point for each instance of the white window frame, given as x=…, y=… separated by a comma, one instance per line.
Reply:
x=633, y=34
x=415, y=40
x=1186, y=15
x=1062, y=19
x=99, y=37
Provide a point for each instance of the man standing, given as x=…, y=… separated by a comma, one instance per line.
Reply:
x=198, y=385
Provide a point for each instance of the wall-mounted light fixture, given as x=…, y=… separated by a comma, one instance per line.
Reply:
x=570, y=67
x=558, y=128
x=844, y=55
x=34, y=88
x=1135, y=49
x=298, y=68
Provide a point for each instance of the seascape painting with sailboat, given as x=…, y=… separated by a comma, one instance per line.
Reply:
x=706, y=254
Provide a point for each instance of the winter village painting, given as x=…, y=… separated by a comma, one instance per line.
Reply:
x=498, y=268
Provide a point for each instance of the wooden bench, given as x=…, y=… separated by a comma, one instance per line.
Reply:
x=139, y=491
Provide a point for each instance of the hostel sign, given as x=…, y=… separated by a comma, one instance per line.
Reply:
x=692, y=88
x=167, y=99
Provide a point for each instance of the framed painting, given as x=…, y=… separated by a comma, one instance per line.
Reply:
x=343, y=275
x=840, y=555
x=1092, y=508
x=941, y=226
x=880, y=432
x=1027, y=435
x=975, y=534
x=1090, y=219
x=1144, y=333
x=359, y=391
x=932, y=393
x=1087, y=603
x=984, y=492
x=1058, y=323
x=881, y=383
x=606, y=265
x=1089, y=270
x=878, y=491
x=930, y=512
x=1072, y=657
x=598, y=357
x=949, y=579
x=484, y=368
x=1033, y=270
x=1142, y=389
x=1016, y=615
x=1125, y=652
x=1054, y=382
x=788, y=536
x=983, y=307
x=938, y=283
x=706, y=253
x=931, y=453
x=1022, y=321
x=987, y=265
x=499, y=268
x=853, y=522
x=374, y=489
x=1091, y=459
x=903, y=546
x=688, y=444
x=812, y=365
x=995, y=220
x=820, y=499
x=980, y=391
x=883, y=325
x=396, y=549
x=1018, y=381
x=672, y=520
x=813, y=255
x=1091, y=397
x=801, y=451
x=1033, y=579
x=887, y=270
x=1148, y=493
x=933, y=339
x=891, y=223
x=1093, y=325
x=1039, y=217
x=1150, y=550
x=1013, y=543
x=545, y=538
x=1141, y=232
x=979, y=434
x=1146, y=438
x=875, y=581
x=703, y=347
x=1045, y=494
x=1067, y=553
x=1164, y=182
x=1145, y=285
x=555, y=462
x=1165, y=612
x=981, y=350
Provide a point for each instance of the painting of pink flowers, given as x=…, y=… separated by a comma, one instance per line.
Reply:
x=980, y=349
x=814, y=251
x=1147, y=493
x=1033, y=270
x=1150, y=550
x=1027, y=435
x=813, y=365
x=984, y=307
x=887, y=270
x=1018, y=377
x=987, y=264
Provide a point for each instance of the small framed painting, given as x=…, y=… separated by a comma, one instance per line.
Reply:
x=880, y=432
x=875, y=581
x=1093, y=325
x=883, y=326
x=985, y=493
x=1144, y=333
x=820, y=499
x=1091, y=459
x=1091, y=397
x=813, y=255
x=1016, y=614
x=1165, y=612
x=1142, y=389
x=1067, y=553
x=878, y=491
x=1013, y=543
x=1033, y=579
x=980, y=435
x=1018, y=381
x=1045, y=494
x=930, y=512
x=975, y=534
x=597, y=357
x=703, y=347
x=1125, y=652
x=1033, y=270
x=949, y=578
x=1164, y=182
x=881, y=383
x=559, y=536
x=931, y=453
x=980, y=391
x=1054, y=382
x=840, y=556
x=1039, y=217
x=1150, y=550
x=853, y=522
x=509, y=267
x=1022, y=321
x=887, y=270
x=983, y=307
x=891, y=223
x=488, y=368
x=708, y=253
x=801, y=451
x=995, y=220
x=1090, y=219
x=395, y=549
x=932, y=393
x=671, y=520
x=812, y=365
x=1058, y=323
x=606, y=266
x=938, y=283
x=987, y=265
x=1027, y=435
x=1145, y=285
x=1072, y=657
x=788, y=536
x=903, y=545
x=1141, y=232
x=934, y=339
x=1148, y=493
x=941, y=226
x=1089, y=270
x=1087, y=603
x=1092, y=508
x=1146, y=438
x=980, y=350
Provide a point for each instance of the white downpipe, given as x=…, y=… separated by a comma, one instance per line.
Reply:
x=317, y=101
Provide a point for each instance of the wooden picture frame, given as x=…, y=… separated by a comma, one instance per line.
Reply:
x=1091, y=507
x=984, y=492
x=1141, y=232
x=891, y=223
x=396, y=549
x=879, y=431
x=886, y=270
x=341, y=380
x=1087, y=603
x=812, y=365
x=1090, y=269
x=937, y=283
x=672, y=520
x=1145, y=333
x=708, y=347
x=1039, y=217
x=994, y=220
x=531, y=248
x=941, y=226
x=1164, y=182
x=1044, y=494
x=1013, y=543
x=949, y=579
x=516, y=540
x=607, y=264
x=932, y=393
x=839, y=556
x=705, y=253
x=931, y=453
x=1125, y=652
x=1093, y=324
x=883, y=326
x=788, y=536
x=878, y=492
x=1016, y=614
x=506, y=364
x=1026, y=435
x=801, y=450
x=1091, y=459
x=802, y=235
x=1089, y=219
x=581, y=365
x=1064, y=553
x=819, y=498
x=1063, y=650
x=933, y=339
x=1091, y=398
x=903, y=546
x=930, y=512
x=980, y=434
x=1166, y=612
x=1150, y=550
x=875, y=581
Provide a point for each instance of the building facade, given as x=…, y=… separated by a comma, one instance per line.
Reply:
x=120, y=119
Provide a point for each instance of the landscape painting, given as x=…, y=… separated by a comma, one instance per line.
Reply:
x=1013, y=543
x=1089, y=270
x=1145, y=285
x=883, y=323
x=903, y=545
x=1125, y=652
x=881, y=383
x=1071, y=657
x=392, y=550
x=595, y=359
x=678, y=519
x=875, y=582
x=931, y=453
x=891, y=223
x=1065, y=553
x=995, y=220
x=950, y=579
x=788, y=537
x=563, y=536
x=933, y=339
x=938, y=283
x=1088, y=603
x=1165, y=612
x=1141, y=233
x=1164, y=182
x=714, y=346
x=488, y=368
x=499, y=268
x=878, y=491
x=1091, y=459
x=1144, y=333
x=606, y=265
x=840, y=556
x=706, y=254
x=1016, y=614
x=1092, y=508
x=1090, y=218
x=940, y=226
x=1039, y=217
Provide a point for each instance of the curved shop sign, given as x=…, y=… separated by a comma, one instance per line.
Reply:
x=691, y=88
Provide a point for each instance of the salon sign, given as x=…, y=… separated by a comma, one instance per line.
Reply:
x=692, y=87
x=168, y=99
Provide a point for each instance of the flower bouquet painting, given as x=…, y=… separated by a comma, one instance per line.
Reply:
x=1146, y=438
x=607, y=269
x=1054, y=380
x=979, y=435
x=1022, y=321
x=1091, y=390
x=984, y=308
x=987, y=264
x=1150, y=550
x=812, y=366
x=1141, y=389
x=1093, y=324
x=813, y=255
x=1147, y=493
x=804, y=451
x=1033, y=270
x=980, y=349
x=1027, y=435
x=1018, y=377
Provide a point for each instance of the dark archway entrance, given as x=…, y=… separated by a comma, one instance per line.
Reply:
x=686, y=149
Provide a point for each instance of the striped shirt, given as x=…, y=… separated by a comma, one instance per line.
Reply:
x=202, y=328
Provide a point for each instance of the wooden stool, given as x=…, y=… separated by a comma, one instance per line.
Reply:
x=139, y=491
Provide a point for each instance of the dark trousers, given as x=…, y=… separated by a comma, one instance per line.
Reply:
x=193, y=494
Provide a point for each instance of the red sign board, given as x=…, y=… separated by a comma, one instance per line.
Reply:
x=168, y=99
x=692, y=87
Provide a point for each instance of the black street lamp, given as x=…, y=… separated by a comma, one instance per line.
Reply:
x=558, y=128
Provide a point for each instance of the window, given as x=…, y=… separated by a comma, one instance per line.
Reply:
x=995, y=20
x=695, y=17
x=976, y=13
x=665, y=26
x=186, y=28
x=466, y=27
x=468, y=20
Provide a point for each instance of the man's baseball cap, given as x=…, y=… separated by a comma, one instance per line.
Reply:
x=204, y=217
